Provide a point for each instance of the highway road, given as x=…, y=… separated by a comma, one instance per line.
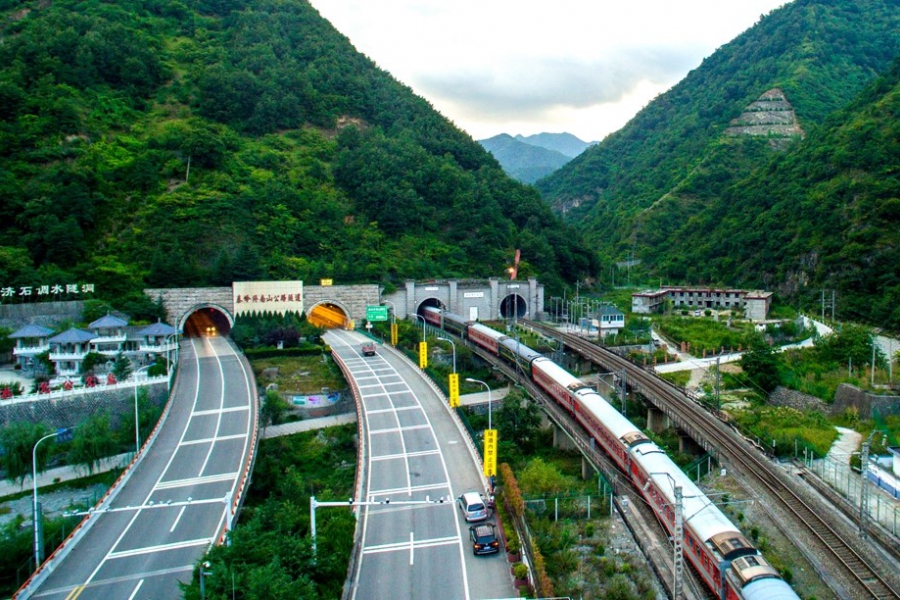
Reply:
x=414, y=451
x=189, y=474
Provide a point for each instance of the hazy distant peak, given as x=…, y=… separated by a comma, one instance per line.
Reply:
x=564, y=143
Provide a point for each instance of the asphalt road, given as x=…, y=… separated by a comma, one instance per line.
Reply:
x=197, y=459
x=414, y=452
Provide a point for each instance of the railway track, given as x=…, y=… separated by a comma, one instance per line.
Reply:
x=739, y=452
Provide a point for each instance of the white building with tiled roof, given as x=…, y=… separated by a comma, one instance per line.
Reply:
x=31, y=340
x=755, y=303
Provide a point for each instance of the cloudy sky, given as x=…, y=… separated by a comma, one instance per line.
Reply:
x=528, y=66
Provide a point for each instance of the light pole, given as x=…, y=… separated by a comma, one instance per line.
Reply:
x=393, y=310
x=203, y=573
x=454, y=350
x=169, y=364
x=418, y=316
x=393, y=322
x=470, y=380
x=37, y=517
x=137, y=421
x=677, y=534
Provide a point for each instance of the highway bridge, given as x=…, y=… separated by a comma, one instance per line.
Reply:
x=178, y=497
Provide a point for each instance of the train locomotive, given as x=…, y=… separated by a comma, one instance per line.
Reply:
x=725, y=559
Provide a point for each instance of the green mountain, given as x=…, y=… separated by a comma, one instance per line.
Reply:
x=161, y=143
x=564, y=143
x=523, y=161
x=823, y=215
x=704, y=184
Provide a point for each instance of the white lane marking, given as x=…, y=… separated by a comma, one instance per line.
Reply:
x=213, y=440
x=161, y=548
x=390, y=410
x=178, y=518
x=405, y=546
x=399, y=430
x=415, y=488
x=174, y=483
x=134, y=593
x=216, y=411
x=459, y=539
x=407, y=455
x=234, y=484
x=219, y=410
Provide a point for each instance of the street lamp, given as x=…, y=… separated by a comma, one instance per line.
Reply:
x=169, y=363
x=137, y=421
x=393, y=310
x=37, y=517
x=470, y=380
x=418, y=316
x=454, y=350
x=677, y=534
x=203, y=573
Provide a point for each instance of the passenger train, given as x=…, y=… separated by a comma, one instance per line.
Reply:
x=725, y=559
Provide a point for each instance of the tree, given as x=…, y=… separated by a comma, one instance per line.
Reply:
x=17, y=441
x=93, y=441
x=122, y=367
x=518, y=419
x=273, y=409
x=91, y=360
x=762, y=365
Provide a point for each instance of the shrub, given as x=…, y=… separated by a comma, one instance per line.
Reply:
x=520, y=571
x=513, y=495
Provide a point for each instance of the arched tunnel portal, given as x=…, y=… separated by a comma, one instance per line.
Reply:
x=328, y=315
x=207, y=321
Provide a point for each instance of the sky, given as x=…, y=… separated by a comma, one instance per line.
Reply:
x=525, y=67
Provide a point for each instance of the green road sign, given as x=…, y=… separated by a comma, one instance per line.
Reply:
x=377, y=313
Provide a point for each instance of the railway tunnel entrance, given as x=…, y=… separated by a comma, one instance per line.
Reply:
x=429, y=303
x=513, y=306
x=207, y=321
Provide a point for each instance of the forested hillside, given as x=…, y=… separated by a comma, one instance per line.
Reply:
x=824, y=215
x=158, y=143
x=693, y=203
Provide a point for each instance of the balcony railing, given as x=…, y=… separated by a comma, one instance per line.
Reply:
x=57, y=356
x=157, y=348
x=30, y=350
x=109, y=339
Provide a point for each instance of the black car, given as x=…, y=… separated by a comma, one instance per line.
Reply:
x=484, y=538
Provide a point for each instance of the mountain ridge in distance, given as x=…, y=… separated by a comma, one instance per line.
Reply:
x=529, y=158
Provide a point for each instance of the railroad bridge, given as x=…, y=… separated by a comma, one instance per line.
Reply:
x=199, y=310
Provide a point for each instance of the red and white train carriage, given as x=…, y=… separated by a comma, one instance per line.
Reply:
x=726, y=560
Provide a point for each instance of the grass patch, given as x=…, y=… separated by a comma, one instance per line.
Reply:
x=679, y=378
x=303, y=374
x=784, y=426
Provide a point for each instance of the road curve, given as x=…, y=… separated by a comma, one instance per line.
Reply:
x=413, y=450
x=178, y=499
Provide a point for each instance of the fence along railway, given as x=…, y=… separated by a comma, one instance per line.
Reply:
x=717, y=438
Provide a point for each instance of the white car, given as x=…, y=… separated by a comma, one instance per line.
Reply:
x=472, y=506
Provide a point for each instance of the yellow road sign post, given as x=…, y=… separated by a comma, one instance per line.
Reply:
x=454, y=390
x=490, y=452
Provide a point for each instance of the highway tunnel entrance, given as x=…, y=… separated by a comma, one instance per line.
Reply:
x=207, y=321
x=329, y=316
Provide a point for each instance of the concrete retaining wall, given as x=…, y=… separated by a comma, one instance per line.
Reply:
x=70, y=410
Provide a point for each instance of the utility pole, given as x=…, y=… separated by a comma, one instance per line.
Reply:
x=864, y=486
x=873, y=361
x=718, y=380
